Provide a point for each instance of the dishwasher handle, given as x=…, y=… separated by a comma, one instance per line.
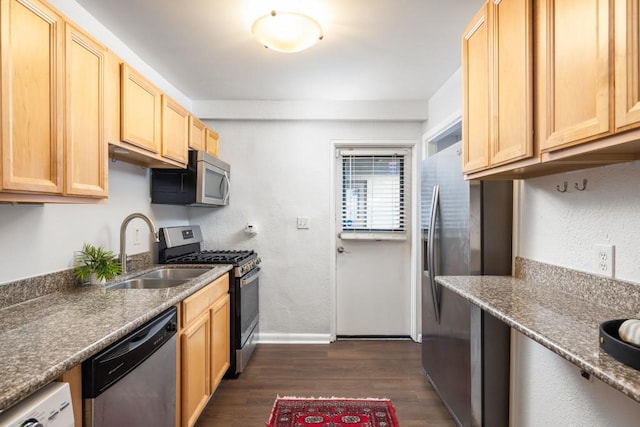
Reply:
x=107, y=367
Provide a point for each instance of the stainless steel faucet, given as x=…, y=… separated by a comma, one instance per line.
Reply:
x=123, y=236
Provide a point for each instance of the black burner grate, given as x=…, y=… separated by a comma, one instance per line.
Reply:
x=212, y=257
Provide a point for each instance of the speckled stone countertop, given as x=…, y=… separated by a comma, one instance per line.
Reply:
x=561, y=310
x=42, y=338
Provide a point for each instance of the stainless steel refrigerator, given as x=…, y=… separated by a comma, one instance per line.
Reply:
x=466, y=228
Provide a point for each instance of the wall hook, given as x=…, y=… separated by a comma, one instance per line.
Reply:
x=584, y=185
x=564, y=188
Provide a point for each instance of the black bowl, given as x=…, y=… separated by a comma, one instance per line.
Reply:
x=611, y=343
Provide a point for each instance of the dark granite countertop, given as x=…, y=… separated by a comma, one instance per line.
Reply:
x=565, y=322
x=42, y=338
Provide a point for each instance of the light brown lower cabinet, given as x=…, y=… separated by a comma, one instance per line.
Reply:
x=219, y=340
x=204, y=348
x=195, y=345
x=74, y=377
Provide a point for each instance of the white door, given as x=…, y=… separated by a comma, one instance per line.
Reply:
x=373, y=242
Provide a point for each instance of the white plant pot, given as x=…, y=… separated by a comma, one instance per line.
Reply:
x=93, y=279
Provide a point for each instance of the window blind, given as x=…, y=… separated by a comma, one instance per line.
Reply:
x=373, y=193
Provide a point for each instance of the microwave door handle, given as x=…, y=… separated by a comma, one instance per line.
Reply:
x=228, y=181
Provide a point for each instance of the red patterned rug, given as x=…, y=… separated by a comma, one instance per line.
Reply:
x=301, y=412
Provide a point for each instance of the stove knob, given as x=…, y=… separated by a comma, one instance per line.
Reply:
x=31, y=422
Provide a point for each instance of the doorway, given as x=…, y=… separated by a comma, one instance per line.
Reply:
x=373, y=241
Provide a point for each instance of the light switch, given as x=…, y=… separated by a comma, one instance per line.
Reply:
x=304, y=222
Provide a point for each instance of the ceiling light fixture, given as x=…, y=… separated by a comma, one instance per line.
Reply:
x=287, y=31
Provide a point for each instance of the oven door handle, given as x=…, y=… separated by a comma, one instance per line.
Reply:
x=252, y=277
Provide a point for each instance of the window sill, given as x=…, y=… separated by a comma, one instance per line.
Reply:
x=347, y=235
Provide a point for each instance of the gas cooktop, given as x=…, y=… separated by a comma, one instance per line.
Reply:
x=213, y=257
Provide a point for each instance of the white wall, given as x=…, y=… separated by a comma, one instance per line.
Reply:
x=79, y=16
x=281, y=170
x=553, y=393
x=445, y=106
x=41, y=239
x=562, y=229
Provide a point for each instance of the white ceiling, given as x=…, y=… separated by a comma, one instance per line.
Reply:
x=372, y=49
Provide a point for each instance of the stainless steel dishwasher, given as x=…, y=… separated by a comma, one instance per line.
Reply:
x=133, y=382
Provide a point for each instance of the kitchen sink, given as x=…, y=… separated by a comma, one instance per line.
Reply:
x=174, y=273
x=147, y=283
x=160, y=279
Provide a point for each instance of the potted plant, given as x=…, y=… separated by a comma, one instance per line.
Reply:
x=96, y=263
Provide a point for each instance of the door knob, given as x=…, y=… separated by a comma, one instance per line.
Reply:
x=342, y=250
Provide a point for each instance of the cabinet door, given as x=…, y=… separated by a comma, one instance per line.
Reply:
x=195, y=344
x=511, y=69
x=112, y=99
x=220, y=352
x=212, y=142
x=140, y=111
x=85, y=146
x=475, y=92
x=572, y=71
x=627, y=54
x=175, y=130
x=197, y=134
x=32, y=96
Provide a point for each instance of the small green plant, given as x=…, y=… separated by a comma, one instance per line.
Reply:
x=95, y=259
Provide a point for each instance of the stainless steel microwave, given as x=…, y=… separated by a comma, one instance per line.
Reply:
x=205, y=182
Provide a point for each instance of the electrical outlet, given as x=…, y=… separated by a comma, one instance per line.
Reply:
x=304, y=222
x=136, y=236
x=605, y=260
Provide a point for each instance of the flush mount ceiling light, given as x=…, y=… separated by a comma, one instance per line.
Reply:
x=287, y=31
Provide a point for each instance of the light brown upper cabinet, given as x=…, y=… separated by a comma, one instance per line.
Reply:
x=586, y=93
x=212, y=142
x=202, y=138
x=627, y=64
x=154, y=129
x=32, y=51
x=512, y=85
x=497, y=85
x=112, y=99
x=573, y=79
x=53, y=146
x=197, y=134
x=140, y=111
x=85, y=146
x=175, y=130
x=475, y=92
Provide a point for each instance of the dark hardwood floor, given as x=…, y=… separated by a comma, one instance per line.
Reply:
x=346, y=368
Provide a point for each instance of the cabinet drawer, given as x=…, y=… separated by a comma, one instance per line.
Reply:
x=203, y=299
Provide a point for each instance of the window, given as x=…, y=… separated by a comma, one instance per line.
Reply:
x=373, y=194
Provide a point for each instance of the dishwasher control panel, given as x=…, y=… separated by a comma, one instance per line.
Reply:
x=48, y=407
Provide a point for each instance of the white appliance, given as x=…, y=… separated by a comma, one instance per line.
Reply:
x=48, y=407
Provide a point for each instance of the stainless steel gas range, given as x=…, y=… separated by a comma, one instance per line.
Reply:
x=182, y=245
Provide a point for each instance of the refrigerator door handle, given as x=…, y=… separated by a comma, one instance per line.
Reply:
x=431, y=251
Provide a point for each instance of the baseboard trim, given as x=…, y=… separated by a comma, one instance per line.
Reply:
x=274, y=338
